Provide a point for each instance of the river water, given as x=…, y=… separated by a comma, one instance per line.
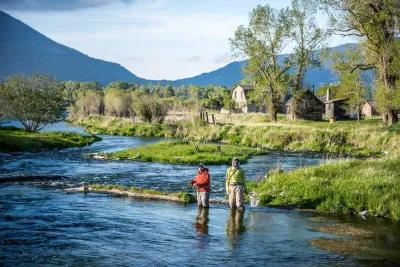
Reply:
x=40, y=224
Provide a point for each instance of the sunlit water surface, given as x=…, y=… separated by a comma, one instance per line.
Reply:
x=40, y=224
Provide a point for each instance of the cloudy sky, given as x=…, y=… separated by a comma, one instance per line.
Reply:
x=154, y=39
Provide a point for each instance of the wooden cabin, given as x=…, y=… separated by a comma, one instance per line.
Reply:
x=309, y=107
x=369, y=109
x=240, y=95
x=336, y=108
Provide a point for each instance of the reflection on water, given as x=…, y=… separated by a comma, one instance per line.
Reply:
x=201, y=223
x=235, y=226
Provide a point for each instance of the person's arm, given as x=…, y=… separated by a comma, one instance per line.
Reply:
x=227, y=181
x=194, y=181
x=243, y=178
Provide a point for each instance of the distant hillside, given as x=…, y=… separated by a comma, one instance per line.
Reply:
x=24, y=50
x=232, y=73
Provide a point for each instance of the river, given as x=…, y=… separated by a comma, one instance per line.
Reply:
x=40, y=224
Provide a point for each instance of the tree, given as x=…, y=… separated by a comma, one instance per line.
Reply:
x=88, y=102
x=307, y=37
x=262, y=41
x=117, y=102
x=34, y=101
x=376, y=23
x=351, y=85
x=150, y=109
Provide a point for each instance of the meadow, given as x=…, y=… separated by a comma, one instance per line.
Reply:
x=13, y=139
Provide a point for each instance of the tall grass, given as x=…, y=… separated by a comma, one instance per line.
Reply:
x=186, y=153
x=366, y=138
x=17, y=140
x=346, y=187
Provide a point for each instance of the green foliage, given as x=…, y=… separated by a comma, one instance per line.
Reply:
x=351, y=85
x=186, y=197
x=117, y=102
x=344, y=186
x=186, y=153
x=375, y=23
x=16, y=140
x=34, y=100
x=87, y=102
x=262, y=41
x=307, y=36
x=150, y=109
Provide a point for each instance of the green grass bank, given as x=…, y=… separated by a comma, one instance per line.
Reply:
x=18, y=140
x=367, y=138
x=343, y=187
x=182, y=197
x=186, y=153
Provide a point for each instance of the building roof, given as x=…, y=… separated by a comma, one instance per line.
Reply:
x=372, y=103
x=306, y=92
x=246, y=87
x=337, y=100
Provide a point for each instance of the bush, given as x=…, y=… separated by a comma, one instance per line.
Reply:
x=150, y=109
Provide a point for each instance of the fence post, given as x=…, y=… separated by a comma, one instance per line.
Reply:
x=213, y=119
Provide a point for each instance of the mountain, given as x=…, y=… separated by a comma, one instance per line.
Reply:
x=24, y=50
x=232, y=73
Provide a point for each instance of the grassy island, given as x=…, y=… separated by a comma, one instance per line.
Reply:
x=13, y=139
x=186, y=153
x=181, y=197
x=348, y=186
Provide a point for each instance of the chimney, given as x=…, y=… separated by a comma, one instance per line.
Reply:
x=328, y=94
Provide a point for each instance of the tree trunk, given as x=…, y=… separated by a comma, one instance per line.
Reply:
x=385, y=117
x=273, y=114
x=392, y=117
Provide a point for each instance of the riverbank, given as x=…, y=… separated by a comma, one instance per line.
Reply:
x=351, y=186
x=179, y=152
x=367, y=138
x=14, y=139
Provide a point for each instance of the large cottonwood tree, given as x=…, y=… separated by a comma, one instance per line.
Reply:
x=376, y=24
x=262, y=41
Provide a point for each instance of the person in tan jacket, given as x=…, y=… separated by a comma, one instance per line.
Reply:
x=236, y=185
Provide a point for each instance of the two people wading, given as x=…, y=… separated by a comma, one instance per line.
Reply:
x=235, y=185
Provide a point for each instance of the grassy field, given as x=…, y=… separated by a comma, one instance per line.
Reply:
x=344, y=187
x=186, y=153
x=17, y=140
x=367, y=138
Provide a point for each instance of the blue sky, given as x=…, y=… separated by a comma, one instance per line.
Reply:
x=154, y=39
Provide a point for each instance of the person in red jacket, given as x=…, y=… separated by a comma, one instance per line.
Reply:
x=202, y=182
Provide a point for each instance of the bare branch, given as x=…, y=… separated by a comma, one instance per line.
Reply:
x=362, y=67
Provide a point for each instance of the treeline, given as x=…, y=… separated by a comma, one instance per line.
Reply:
x=149, y=103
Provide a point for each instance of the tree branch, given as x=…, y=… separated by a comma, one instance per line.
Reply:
x=362, y=67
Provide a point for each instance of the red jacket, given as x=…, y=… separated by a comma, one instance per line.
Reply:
x=202, y=180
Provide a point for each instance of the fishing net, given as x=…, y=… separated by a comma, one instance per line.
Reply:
x=253, y=199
